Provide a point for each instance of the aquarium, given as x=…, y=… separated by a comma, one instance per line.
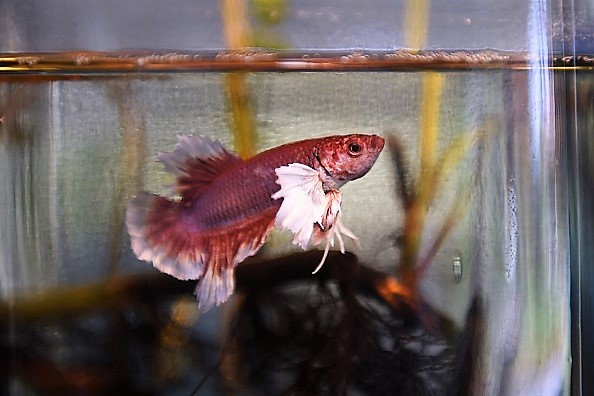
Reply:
x=474, y=224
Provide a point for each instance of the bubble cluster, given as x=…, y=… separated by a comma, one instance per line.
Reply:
x=170, y=57
x=473, y=58
x=28, y=60
x=251, y=56
x=259, y=59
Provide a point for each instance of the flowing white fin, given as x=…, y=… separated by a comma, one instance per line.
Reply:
x=312, y=215
x=215, y=287
x=303, y=203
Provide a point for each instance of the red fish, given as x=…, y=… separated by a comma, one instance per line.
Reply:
x=227, y=206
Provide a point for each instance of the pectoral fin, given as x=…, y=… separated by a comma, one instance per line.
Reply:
x=312, y=215
x=304, y=201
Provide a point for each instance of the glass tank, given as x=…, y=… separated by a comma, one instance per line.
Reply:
x=470, y=269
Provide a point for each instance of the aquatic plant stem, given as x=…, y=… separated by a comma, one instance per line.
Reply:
x=416, y=17
x=243, y=126
x=236, y=26
x=54, y=304
x=425, y=188
x=242, y=115
x=238, y=34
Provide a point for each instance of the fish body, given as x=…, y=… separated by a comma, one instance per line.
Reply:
x=228, y=206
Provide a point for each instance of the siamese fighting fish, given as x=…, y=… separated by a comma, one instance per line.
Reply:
x=225, y=207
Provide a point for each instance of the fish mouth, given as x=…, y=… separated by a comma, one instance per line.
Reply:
x=376, y=144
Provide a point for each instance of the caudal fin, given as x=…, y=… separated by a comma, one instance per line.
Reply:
x=160, y=234
x=169, y=234
x=157, y=236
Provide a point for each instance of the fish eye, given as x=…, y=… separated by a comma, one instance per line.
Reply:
x=355, y=149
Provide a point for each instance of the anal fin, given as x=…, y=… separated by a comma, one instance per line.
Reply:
x=225, y=250
x=215, y=287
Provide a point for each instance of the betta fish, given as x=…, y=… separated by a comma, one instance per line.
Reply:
x=226, y=207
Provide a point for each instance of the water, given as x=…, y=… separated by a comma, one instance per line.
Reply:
x=485, y=268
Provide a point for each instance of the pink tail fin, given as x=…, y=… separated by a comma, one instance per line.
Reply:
x=157, y=236
x=160, y=234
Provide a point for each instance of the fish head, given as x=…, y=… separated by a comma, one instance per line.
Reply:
x=346, y=158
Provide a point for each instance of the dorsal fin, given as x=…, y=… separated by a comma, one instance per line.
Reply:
x=196, y=161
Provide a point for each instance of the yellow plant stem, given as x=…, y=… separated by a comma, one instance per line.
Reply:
x=416, y=17
x=236, y=25
x=242, y=114
x=237, y=32
x=429, y=132
x=413, y=230
x=426, y=185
